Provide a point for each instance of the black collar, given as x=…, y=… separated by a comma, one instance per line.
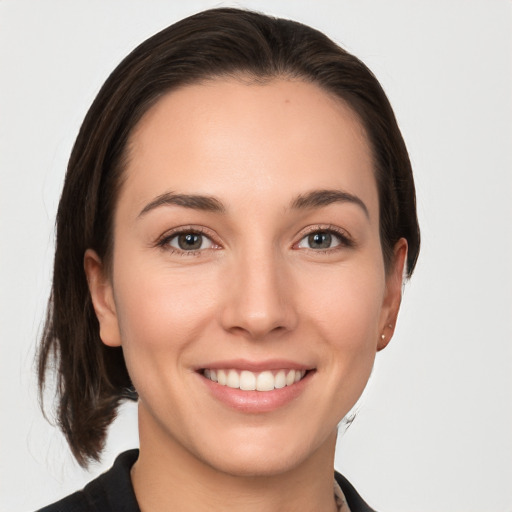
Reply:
x=113, y=491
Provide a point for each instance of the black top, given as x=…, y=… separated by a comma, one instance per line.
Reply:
x=113, y=492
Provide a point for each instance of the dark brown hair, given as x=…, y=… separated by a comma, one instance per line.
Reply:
x=92, y=379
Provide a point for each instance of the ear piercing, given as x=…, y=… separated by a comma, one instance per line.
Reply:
x=383, y=336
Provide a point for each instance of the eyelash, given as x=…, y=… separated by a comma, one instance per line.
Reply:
x=165, y=240
x=344, y=239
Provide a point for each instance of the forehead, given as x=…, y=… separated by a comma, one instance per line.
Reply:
x=284, y=135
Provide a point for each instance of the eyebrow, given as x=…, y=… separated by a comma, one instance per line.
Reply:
x=319, y=198
x=196, y=202
x=313, y=199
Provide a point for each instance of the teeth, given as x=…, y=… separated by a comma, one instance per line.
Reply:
x=222, y=378
x=265, y=381
x=280, y=380
x=250, y=381
x=247, y=381
x=233, y=379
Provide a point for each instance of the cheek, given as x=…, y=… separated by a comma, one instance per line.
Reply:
x=160, y=310
x=160, y=318
x=348, y=301
x=345, y=309
x=340, y=310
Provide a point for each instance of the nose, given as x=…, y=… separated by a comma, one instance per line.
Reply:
x=259, y=297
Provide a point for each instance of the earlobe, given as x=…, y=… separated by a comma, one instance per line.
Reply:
x=393, y=295
x=102, y=296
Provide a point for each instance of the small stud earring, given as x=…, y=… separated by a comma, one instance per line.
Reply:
x=383, y=336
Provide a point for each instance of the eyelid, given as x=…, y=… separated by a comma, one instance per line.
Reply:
x=346, y=240
x=165, y=238
x=342, y=235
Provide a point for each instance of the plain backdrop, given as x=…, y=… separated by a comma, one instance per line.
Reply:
x=434, y=428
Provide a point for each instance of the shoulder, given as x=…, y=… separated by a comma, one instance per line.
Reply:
x=110, y=492
x=354, y=501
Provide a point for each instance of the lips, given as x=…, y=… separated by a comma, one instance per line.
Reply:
x=256, y=387
x=247, y=380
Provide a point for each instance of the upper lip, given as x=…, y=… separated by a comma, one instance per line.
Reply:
x=255, y=366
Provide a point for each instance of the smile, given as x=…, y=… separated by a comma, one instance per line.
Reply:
x=254, y=381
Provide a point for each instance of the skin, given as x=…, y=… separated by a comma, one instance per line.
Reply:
x=256, y=290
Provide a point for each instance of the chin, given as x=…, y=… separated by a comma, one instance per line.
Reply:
x=257, y=465
x=266, y=456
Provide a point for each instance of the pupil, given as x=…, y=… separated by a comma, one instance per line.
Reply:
x=190, y=241
x=320, y=240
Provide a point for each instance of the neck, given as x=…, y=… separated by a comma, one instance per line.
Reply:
x=167, y=476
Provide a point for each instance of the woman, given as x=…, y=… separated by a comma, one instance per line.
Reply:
x=236, y=219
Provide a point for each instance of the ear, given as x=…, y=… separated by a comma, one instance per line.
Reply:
x=393, y=294
x=102, y=296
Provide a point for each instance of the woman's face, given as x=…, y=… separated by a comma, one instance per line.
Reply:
x=247, y=251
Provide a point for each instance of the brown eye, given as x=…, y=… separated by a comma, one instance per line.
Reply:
x=190, y=242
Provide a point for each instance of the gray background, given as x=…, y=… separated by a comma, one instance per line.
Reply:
x=434, y=429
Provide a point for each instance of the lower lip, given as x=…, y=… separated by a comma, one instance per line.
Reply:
x=257, y=401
